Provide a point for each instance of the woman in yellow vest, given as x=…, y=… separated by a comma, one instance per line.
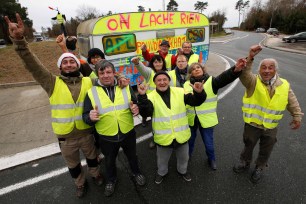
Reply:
x=110, y=109
x=167, y=107
x=204, y=117
x=266, y=97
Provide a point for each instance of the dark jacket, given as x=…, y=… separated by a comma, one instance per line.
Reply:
x=146, y=107
x=223, y=79
x=110, y=91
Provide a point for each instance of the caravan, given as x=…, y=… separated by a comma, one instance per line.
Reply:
x=120, y=36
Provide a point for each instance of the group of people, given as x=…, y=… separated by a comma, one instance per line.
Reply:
x=179, y=100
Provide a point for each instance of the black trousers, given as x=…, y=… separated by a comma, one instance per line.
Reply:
x=110, y=151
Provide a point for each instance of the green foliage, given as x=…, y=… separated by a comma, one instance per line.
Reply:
x=218, y=17
x=141, y=9
x=10, y=8
x=200, y=6
x=172, y=6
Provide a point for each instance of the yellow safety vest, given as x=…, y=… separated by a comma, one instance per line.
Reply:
x=151, y=83
x=65, y=113
x=113, y=115
x=207, y=111
x=168, y=61
x=59, y=18
x=93, y=75
x=173, y=78
x=169, y=124
x=193, y=58
x=263, y=110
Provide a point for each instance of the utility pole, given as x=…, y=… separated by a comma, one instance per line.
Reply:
x=164, y=6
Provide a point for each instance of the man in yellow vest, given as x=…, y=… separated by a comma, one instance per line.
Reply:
x=66, y=94
x=163, y=51
x=187, y=51
x=204, y=117
x=61, y=18
x=110, y=109
x=167, y=107
x=266, y=97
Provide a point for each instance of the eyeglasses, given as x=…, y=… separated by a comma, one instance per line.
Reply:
x=187, y=47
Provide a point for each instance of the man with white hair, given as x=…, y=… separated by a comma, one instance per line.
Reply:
x=66, y=93
x=266, y=97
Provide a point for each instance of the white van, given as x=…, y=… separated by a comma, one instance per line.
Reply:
x=120, y=36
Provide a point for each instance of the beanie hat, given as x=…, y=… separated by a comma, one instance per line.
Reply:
x=65, y=55
x=94, y=51
x=165, y=42
x=161, y=72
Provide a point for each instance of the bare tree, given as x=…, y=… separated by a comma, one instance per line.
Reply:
x=200, y=6
x=87, y=12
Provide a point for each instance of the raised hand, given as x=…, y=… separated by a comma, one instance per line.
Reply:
x=143, y=47
x=142, y=88
x=254, y=50
x=123, y=82
x=134, y=108
x=197, y=86
x=135, y=60
x=240, y=64
x=180, y=51
x=61, y=41
x=94, y=114
x=16, y=30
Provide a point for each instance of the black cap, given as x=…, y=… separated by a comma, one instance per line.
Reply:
x=94, y=51
x=161, y=72
x=165, y=42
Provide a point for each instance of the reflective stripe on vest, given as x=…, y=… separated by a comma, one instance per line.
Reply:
x=65, y=114
x=207, y=111
x=169, y=124
x=193, y=58
x=113, y=115
x=263, y=110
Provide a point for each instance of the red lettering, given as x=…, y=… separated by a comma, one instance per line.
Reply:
x=124, y=21
x=191, y=18
x=142, y=25
x=165, y=18
x=171, y=18
x=110, y=26
x=197, y=18
x=152, y=19
x=158, y=19
x=183, y=18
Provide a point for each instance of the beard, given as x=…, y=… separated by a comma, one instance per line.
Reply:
x=71, y=74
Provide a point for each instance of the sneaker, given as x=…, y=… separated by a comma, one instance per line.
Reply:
x=212, y=164
x=256, y=175
x=241, y=166
x=98, y=180
x=158, y=179
x=140, y=179
x=81, y=190
x=186, y=176
x=109, y=189
x=152, y=145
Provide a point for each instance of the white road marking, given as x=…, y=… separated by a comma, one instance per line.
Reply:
x=51, y=174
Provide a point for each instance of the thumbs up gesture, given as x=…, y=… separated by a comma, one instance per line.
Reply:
x=94, y=114
x=134, y=108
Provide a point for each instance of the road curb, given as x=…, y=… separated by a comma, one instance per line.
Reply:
x=19, y=84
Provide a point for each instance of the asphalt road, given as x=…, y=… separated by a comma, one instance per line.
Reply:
x=47, y=180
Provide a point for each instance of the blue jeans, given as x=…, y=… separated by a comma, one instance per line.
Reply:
x=207, y=137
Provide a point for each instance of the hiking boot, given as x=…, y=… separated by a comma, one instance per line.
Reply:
x=186, y=176
x=81, y=190
x=158, y=179
x=241, y=166
x=109, y=189
x=212, y=164
x=256, y=175
x=140, y=179
x=98, y=180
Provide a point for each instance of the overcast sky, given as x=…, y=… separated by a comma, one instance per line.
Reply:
x=41, y=15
